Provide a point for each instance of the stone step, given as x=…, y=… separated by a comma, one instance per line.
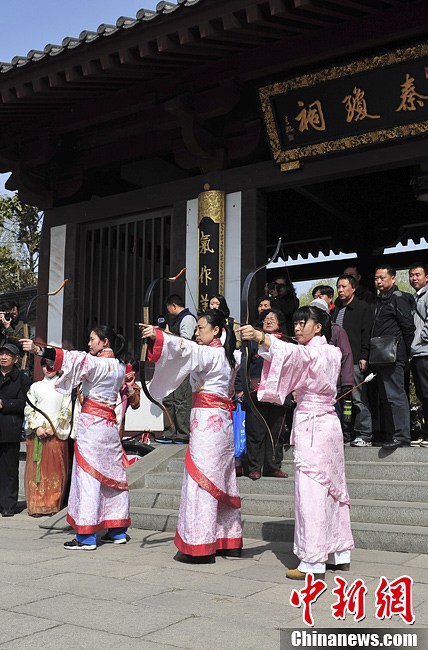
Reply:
x=360, y=469
x=362, y=510
x=358, y=489
x=368, y=454
x=398, y=538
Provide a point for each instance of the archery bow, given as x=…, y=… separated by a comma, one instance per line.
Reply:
x=245, y=315
x=146, y=320
x=26, y=335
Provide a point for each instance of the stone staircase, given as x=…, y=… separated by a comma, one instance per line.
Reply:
x=388, y=490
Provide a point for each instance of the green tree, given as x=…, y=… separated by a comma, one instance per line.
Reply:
x=20, y=226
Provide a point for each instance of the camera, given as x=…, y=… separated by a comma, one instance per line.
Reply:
x=161, y=322
x=7, y=315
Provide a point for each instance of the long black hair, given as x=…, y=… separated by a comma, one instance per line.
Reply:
x=223, y=306
x=215, y=317
x=317, y=315
x=116, y=341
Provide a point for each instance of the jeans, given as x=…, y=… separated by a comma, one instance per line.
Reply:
x=360, y=401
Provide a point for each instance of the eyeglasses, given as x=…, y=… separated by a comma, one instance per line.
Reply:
x=270, y=320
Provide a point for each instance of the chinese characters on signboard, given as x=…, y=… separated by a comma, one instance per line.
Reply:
x=360, y=104
x=210, y=246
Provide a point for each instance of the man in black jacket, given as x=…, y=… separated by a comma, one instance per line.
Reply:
x=355, y=316
x=13, y=387
x=393, y=315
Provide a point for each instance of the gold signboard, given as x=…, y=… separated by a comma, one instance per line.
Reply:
x=369, y=101
x=210, y=245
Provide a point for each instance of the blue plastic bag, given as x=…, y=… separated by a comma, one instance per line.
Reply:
x=239, y=434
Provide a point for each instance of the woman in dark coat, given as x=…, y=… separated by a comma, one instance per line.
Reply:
x=13, y=387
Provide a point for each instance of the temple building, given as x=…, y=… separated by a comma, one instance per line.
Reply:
x=197, y=134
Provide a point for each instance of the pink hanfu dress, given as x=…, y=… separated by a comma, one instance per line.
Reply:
x=322, y=519
x=209, y=517
x=99, y=496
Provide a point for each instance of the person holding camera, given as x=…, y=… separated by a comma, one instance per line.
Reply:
x=285, y=299
x=9, y=318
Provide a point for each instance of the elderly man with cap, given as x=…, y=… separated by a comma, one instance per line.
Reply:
x=13, y=387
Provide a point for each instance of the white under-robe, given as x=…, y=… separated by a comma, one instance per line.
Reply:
x=322, y=519
x=209, y=517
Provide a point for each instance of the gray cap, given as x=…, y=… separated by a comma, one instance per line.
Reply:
x=320, y=303
x=12, y=348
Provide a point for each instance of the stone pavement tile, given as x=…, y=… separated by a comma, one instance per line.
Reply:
x=15, y=573
x=15, y=626
x=222, y=565
x=104, y=615
x=152, y=538
x=279, y=595
x=381, y=557
x=420, y=593
x=196, y=633
x=72, y=636
x=418, y=561
x=421, y=612
x=98, y=587
x=196, y=580
x=18, y=556
x=390, y=571
x=230, y=611
x=261, y=572
x=275, y=547
x=11, y=595
x=92, y=563
x=282, y=560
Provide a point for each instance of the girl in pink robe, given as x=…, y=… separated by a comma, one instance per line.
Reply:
x=99, y=496
x=322, y=522
x=209, y=520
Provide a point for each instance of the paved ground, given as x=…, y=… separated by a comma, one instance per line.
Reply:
x=138, y=596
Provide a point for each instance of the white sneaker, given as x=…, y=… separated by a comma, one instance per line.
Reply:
x=417, y=443
x=109, y=540
x=359, y=442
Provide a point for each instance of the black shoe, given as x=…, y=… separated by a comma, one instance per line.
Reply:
x=181, y=440
x=394, y=443
x=229, y=552
x=74, y=545
x=195, y=559
x=8, y=513
x=163, y=440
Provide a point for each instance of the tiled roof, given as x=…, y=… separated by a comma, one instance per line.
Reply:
x=123, y=23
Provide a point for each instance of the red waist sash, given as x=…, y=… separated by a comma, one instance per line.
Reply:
x=92, y=407
x=211, y=401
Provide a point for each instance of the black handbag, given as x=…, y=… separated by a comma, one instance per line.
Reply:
x=383, y=350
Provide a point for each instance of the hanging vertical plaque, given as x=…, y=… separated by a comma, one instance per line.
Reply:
x=210, y=245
